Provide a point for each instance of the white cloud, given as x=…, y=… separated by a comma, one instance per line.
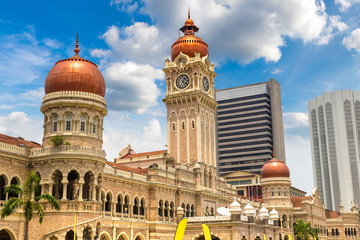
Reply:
x=277, y=71
x=153, y=130
x=353, y=41
x=346, y=4
x=20, y=124
x=4, y=106
x=125, y=5
x=245, y=30
x=35, y=95
x=53, y=43
x=295, y=119
x=100, y=53
x=139, y=42
x=22, y=59
x=132, y=87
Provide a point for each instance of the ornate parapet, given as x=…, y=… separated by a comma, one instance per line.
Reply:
x=12, y=148
x=67, y=149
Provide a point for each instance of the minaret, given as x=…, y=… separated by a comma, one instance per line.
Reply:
x=190, y=99
x=74, y=105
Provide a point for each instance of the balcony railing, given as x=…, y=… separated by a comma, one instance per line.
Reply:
x=68, y=149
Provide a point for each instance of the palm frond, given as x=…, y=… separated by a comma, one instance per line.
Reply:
x=40, y=211
x=13, y=189
x=30, y=184
x=51, y=199
x=10, y=206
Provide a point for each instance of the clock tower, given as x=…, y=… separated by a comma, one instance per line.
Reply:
x=190, y=100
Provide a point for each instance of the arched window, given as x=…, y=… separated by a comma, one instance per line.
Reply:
x=173, y=127
x=332, y=232
x=337, y=232
x=136, y=206
x=160, y=210
x=108, y=203
x=192, y=211
x=126, y=204
x=142, y=207
x=88, y=186
x=38, y=191
x=166, y=209
x=73, y=185
x=57, y=190
x=3, y=181
x=82, y=123
x=95, y=122
x=193, y=124
x=68, y=121
x=55, y=123
x=279, y=192
x=212, y=212
x=172, y=209
x=119, y=204
x=188, y=210
x=183, y=125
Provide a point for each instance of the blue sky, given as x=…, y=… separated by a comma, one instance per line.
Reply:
x=308, y=46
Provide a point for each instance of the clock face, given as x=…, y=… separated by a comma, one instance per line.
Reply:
x=206, y=83
x=182, y=81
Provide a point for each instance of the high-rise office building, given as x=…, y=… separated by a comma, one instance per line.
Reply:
x=249, y=127
x=334, y=120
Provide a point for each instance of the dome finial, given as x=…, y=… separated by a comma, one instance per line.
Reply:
x=273, y=154
x=188, y=13
x=77, y=50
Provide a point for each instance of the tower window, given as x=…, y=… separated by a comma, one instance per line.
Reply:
x=193, y=124
x=68, y=118
x=173, y=127
x=82, y=123
x=94, y=125
x=183, y=125
x=55, y=123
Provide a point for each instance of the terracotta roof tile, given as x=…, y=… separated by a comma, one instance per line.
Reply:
x=141, y=171
x=331, y=214
x=18, y=141
x=296, y=201
x=143, y=154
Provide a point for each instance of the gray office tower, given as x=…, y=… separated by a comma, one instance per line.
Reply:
x=334, y=120
x=249, y=127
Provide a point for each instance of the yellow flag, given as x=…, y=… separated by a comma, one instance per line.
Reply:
x=290, y=237
x=264, y=236
x=206, y=231
x=75, y=228
x=180, y=231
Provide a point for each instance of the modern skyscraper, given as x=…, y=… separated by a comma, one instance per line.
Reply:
x=334, y=121
x=249, y=126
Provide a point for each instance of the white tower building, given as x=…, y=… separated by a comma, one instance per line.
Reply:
x=334, y=120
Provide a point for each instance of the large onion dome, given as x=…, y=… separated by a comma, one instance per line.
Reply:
x=189, y=44
x=75, y=74
x=275, y=168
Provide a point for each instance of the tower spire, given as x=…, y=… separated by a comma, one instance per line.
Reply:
x=188, y=13
x=77, y=50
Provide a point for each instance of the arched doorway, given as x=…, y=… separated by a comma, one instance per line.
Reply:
x=243, y=238
x=14, y=181
x=73, y=185
x=257, y=238
x=70, y=235
x=6, y=235
x=87, y=233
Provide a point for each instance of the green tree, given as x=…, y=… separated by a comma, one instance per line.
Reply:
x=57, y=140
x=27, y=201
x=303, y=230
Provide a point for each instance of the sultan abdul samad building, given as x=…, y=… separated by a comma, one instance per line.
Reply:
x=121, y=201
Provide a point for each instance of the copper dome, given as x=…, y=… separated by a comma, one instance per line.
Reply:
x=75, y=74
x=275, y=168
x=189, y=44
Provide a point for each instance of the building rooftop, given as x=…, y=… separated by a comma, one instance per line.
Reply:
x=119, y=166
x=18, y=141
x=143, y=154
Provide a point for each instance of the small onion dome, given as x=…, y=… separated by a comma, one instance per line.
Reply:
x=235, y=207
x=274, y=215
x=249, y=210
x=75, y=74
x=197, y=166
x=189, y=44
x=275, y=168
x=264, y=213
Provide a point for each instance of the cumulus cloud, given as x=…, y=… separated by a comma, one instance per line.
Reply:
x=131, y=86
x=295, y=119
x=246, y=30
x=125, y=5
x=100, y=53
x=153, y=130
x=15, y=123
x=353, y=41
x=346, y=4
